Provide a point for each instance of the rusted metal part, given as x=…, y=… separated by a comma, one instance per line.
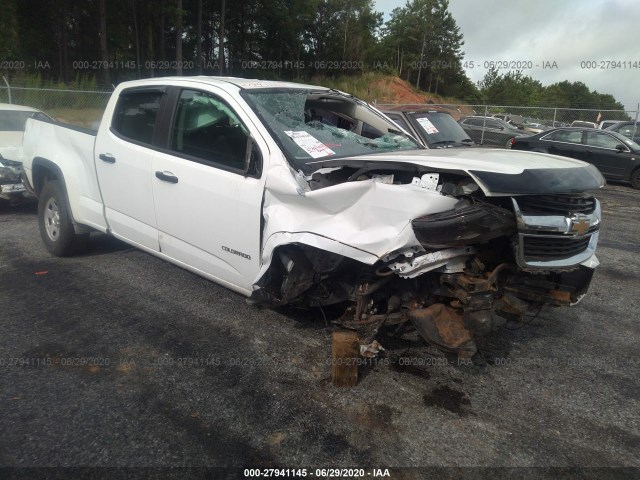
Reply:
x=561, y=296
x=392, y=319
x=345, y=352
x=363, y=296
x=484, y=321
x=443, y=327
x=513, y=305
x=470, y=283
x=549, y=297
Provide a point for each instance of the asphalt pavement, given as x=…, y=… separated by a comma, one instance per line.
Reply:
x=118, y=359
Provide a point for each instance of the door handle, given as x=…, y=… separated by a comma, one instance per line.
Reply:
x=105, y=157
x=167, y=177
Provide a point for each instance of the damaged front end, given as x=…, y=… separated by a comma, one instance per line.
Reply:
x=11, y=185
x=463, y=262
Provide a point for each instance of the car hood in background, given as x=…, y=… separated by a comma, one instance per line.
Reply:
x=11, y=145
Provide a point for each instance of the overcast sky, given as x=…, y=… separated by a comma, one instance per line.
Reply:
x=567, y=32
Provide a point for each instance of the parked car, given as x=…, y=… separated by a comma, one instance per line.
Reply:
x=516, y=121
x=434, y=128
x=534, y=126
x=629, y=129
x=581, y=123
x=616, y=156
x=302, y=195
x=490, y=131
x=607, y=123
x=12, y=122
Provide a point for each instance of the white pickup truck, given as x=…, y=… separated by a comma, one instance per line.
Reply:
x=290, y=193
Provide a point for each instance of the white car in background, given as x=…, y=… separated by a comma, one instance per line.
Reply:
x=607, y=123
x=583, y=124
x=12, y=121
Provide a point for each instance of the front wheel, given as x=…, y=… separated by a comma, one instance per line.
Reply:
x=54, y=220
x=509, y=142
x=635, y=179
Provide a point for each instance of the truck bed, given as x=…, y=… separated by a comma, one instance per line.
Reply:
x=70, y=149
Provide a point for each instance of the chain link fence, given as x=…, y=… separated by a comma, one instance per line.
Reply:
x=77, y=107
x=85, y=108
x=527, y=120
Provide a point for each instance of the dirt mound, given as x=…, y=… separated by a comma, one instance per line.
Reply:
x=390, y=90
x=396, y=90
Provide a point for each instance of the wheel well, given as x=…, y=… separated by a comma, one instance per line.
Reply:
x=43, y=171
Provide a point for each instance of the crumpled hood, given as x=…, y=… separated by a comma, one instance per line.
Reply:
x=497, y=171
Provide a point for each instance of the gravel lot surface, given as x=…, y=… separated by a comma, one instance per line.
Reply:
x=116, y=358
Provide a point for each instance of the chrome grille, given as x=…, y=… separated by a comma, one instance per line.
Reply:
x=555, y=231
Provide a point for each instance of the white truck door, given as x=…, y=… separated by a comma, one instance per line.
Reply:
x=124, y=160
x=207, y=208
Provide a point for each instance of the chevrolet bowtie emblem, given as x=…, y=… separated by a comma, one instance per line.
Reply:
x=579, y=226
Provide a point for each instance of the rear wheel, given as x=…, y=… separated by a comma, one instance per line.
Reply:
x=635, y=178
x=54, y=220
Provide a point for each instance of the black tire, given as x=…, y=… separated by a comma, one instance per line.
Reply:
x=635, y=179
x=509, y=142
x=54, y=220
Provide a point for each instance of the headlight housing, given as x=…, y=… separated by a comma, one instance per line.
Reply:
x=469, y=225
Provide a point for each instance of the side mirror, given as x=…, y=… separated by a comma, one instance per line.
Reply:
x=621, y=148
x=253, y=159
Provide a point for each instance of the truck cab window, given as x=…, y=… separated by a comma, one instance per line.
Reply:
x=206, y=128
x=135, y=115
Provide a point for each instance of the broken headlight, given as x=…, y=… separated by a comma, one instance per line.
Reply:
x=476, y=223
x=9, y=171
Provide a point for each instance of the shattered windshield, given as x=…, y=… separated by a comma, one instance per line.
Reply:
x=323, y=124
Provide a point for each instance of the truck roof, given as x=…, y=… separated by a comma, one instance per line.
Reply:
x=240, y=83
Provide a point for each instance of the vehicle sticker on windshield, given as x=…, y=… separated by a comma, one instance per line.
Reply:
x=309, y=144
x=427, y=125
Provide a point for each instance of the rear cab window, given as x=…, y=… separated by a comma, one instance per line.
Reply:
x=135, y=115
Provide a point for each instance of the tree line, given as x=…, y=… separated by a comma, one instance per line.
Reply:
x=515, y=88
x=109, y=41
